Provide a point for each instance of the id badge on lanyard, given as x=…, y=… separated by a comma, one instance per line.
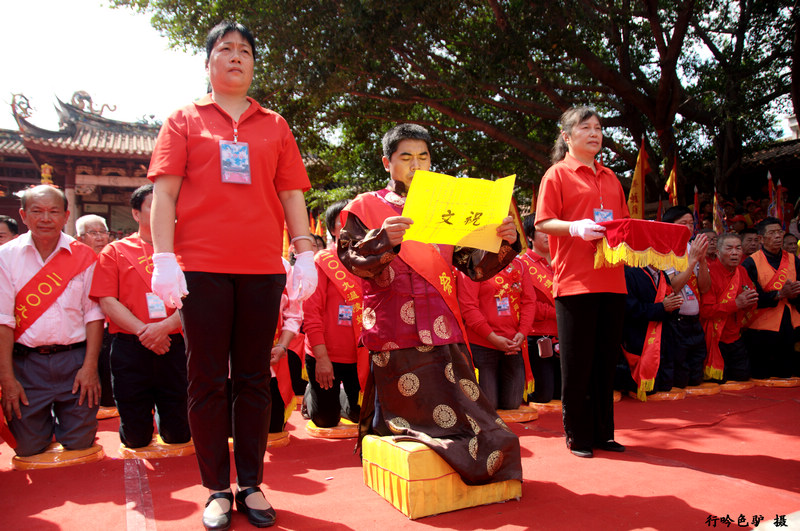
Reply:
x=345, y=317
x=155, y=306
x=503, y=306
x=234, y=162
x=603, y=214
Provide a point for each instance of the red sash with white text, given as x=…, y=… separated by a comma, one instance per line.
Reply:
x=645, y=367
x=349, y=287
x=49, y=283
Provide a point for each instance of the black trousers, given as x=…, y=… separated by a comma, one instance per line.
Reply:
x=104, y=371
x=590, y=334
x=737, y=361
x=501, y=376
x=686, y=339
x=144, y=380
x=326, y=406
x=229, y=321
x=772, y=353
x=546, y=374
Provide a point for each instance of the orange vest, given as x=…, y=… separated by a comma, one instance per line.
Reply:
x=771, y=280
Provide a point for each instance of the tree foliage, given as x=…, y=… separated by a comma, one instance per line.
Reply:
x=699, y=79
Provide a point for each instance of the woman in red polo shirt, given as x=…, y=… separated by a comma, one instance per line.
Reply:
x=227, y=175
x=577, y=192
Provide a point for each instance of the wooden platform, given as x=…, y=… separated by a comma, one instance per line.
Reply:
x=344, y=430
x=156, y=449
x=522, y=414
x=56, y=457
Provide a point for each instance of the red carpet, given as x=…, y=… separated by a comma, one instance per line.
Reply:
x=735, y=454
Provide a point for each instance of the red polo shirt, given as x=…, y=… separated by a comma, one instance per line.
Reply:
x=228, y=227
x=115, y=276
x=570, y=191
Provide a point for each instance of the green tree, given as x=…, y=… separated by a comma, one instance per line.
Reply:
x=696, y=78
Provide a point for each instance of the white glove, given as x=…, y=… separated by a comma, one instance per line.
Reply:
x=304, y=276
x=168, y=281
x=586, y=229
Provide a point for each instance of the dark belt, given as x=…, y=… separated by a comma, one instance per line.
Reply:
x=688, y=318
x=47, y=350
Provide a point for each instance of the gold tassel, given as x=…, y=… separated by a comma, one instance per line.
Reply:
x=610, y=256
x=710, y=373
x=644, y=387
x=304, y=373
x=476, y=376
x=360, y=398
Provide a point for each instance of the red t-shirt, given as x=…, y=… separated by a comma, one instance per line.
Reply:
x=115, y=276
x=712, y=306
x=321, y=322
x=225, y=227
x=571, y=191
x=479, y=307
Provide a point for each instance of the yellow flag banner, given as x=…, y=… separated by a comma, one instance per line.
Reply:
x=636, y=195
x=457, y=211
x=672, y=184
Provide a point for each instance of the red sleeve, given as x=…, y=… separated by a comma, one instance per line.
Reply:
x=313, y=311
x=105, y=282
x=468, y=299
x=549, y=204
x=527, y=313
x=170, y=153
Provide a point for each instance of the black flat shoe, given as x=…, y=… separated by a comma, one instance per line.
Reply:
x=582, y=453
x=256, y=517
x=611, y=446
x=223, y=521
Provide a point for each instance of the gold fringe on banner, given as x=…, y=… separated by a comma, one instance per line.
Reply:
x=607, y=256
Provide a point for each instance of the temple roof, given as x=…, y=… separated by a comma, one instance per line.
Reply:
x=11, y=144
x=87, y=132
x=775, y=153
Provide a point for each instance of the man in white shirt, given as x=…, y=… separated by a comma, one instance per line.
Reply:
x=686, y=334
x=50, y=331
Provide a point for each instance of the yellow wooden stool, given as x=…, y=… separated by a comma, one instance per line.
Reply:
x=418, y=482
x=274, y=440
x=344, y=430
x=737, y=386
x=704, y=389
x=56, y=456
x=523, y=413
x=156, y=449
x=107, y=413
x=777, y=382
x=547, y=407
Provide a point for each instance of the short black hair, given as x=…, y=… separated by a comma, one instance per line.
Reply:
x=139, y=195
x=321, y=243
x=401, y=132
x=332, y=213
x=225, y=27
x=529, y=225
x=11, y=223
x=769, y=220
x=674, y=213
x=748, y=230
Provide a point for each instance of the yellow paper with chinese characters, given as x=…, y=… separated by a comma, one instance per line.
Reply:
x=464, y=212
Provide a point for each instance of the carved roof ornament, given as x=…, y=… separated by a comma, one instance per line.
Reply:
x=82, y=100
x=21, y=106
